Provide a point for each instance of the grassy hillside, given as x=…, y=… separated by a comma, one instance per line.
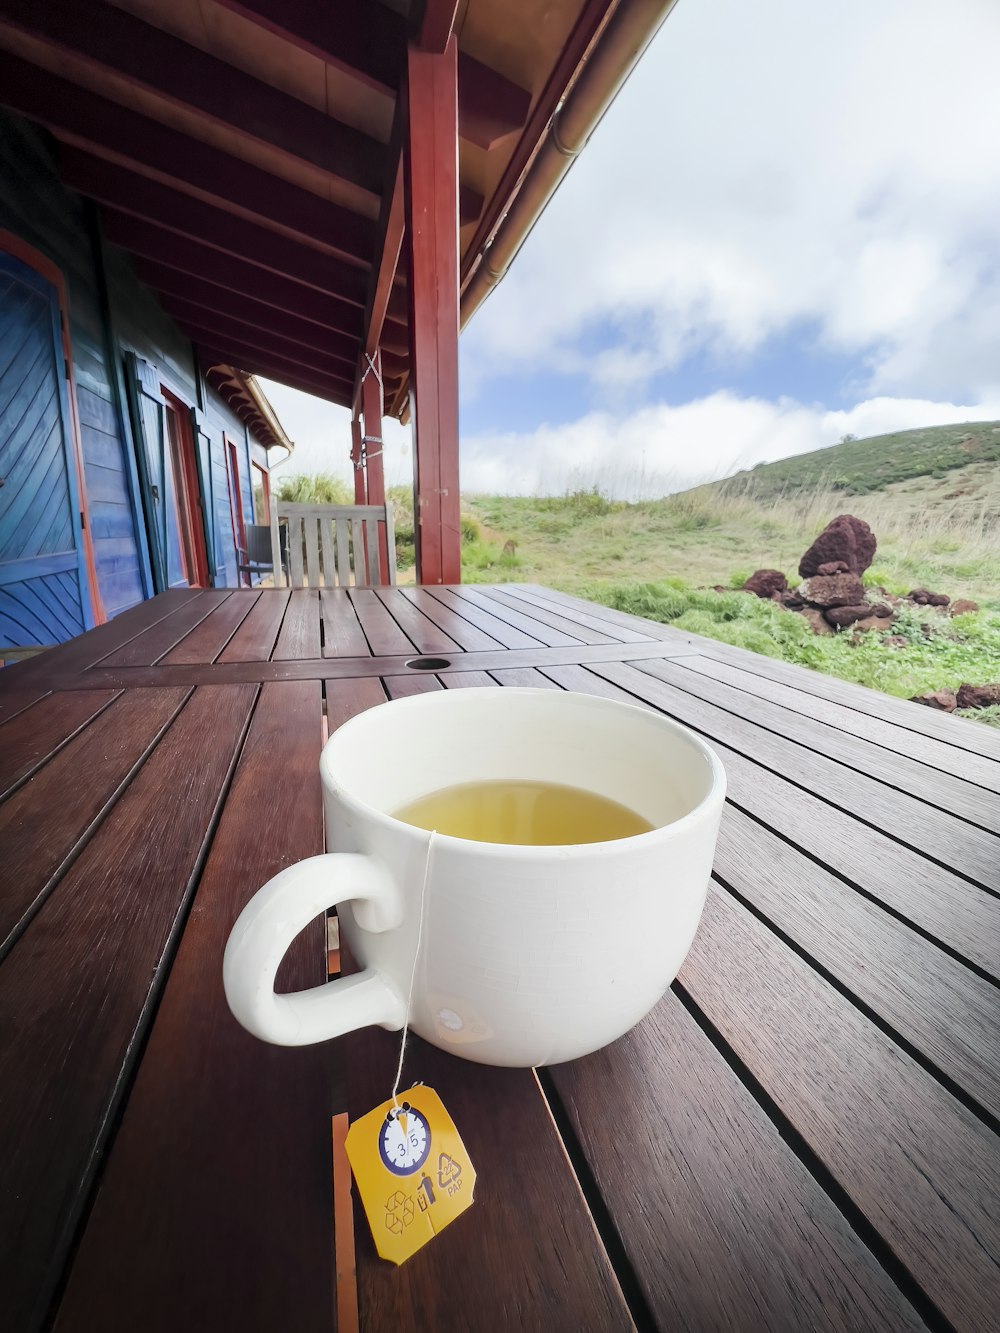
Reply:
x=856, y=467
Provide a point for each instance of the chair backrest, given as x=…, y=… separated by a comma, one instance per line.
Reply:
x=332, y=546
x=258, y=543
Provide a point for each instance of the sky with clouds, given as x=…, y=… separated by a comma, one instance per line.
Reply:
x=784, y=230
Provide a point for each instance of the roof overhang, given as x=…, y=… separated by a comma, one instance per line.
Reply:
x=247, y=153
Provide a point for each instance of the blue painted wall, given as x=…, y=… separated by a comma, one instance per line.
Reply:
x=111, y=314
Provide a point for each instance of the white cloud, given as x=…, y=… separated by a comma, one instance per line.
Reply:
x=768, y=165
x=663, y=448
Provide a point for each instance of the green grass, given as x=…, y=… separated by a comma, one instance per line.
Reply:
x=966, y=648
x=857, y=467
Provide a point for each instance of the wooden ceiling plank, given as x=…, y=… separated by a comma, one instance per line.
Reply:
x=238, y=275
x=140, y=197
x=256, y=360
x=208, y=313
x=110, y=38
x=200, y=291
x=203, y=327
x=104, y=127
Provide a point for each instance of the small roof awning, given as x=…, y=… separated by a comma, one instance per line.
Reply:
x=247, y=153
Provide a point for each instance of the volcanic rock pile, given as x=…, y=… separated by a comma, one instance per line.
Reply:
x=833, y=597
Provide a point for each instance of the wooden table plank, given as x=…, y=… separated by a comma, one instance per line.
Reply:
x=525, y=677
x=425, y=635
x=923, y=1170
x=579, y=629
x=255, y=639
x=925, y=750
x=27, y=740
x=346, y=698
x=972, y=851
x=726, y=1228
x=460, y=630
x=942, y=790
x=506, y=634
x=625, y=620
x=957, y=731
x=525, y=1256
x=401, y=687
x=582, y=613
x=522, y=620
x=939, y=1008
x=950, y=910
x=222, y=1160
x=77, y=992
x=207, y=640
x=383, y=634
x=43, y=825
x=453, y=680
x=15, y=699
x=299, y=636
x=79, y=653
x=157, y=640
x=342, y=632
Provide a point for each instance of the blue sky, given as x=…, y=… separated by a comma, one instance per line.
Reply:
x=783, y=230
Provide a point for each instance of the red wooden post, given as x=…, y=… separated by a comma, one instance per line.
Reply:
x=360, y=497
x=371, y=408
x=431, y=179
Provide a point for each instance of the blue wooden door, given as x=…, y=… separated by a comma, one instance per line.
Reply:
x=156, y=474
x=44, y=593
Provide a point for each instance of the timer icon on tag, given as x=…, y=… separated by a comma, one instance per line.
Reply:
x=405, y=1141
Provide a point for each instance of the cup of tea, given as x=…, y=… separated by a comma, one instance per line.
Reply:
x=519, y=871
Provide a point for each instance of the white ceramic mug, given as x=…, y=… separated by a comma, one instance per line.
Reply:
x=528, y=955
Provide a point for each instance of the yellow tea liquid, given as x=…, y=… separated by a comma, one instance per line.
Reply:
x=531, y=814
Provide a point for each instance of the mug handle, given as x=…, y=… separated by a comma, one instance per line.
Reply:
x=272, y=919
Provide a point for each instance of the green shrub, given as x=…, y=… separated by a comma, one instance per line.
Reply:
x=321, y=488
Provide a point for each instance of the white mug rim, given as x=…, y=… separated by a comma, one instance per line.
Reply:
x=527, y=851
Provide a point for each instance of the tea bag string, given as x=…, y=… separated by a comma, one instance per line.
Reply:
x=413, y=970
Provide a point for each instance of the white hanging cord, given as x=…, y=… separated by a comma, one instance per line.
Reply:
x=413, y=971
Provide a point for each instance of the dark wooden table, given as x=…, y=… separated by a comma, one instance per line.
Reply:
x=802, y=1135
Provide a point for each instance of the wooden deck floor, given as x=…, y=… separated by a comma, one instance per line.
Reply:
x=803, y=1134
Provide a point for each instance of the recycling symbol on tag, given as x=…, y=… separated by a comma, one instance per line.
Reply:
x=398, y=1212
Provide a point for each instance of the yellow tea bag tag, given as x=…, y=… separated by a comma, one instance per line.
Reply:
x=412, y=1170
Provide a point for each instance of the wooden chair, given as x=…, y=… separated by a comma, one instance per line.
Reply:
x=258, y=558
x=332, y=546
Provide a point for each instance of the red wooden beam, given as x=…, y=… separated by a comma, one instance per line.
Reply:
x=437, y=25
x=106, y=128
x=110, y=38
x=331, y=390
x=140, y=197
x=201, y=261
x=190, y=297
x=202, y=326
x=371, y=409
x=431, y=181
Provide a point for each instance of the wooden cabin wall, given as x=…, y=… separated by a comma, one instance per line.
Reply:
x=35, y=207
x=104, y=326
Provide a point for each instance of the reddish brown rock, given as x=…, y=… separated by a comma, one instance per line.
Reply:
x=882, y=611
x=791, y=600
x=978, y=696
x=815, y=618
x=895, y=641
x=846, y=539
x=834, y=567
x=766, y=582
x=834, y=590
x=871, y=622
x=963, y=606
x=924, y=598
x=847, y=615
x=944, y=700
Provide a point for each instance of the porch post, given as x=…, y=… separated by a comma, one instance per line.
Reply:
x=371, y=408
x=359, y=472
x=430, y=145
